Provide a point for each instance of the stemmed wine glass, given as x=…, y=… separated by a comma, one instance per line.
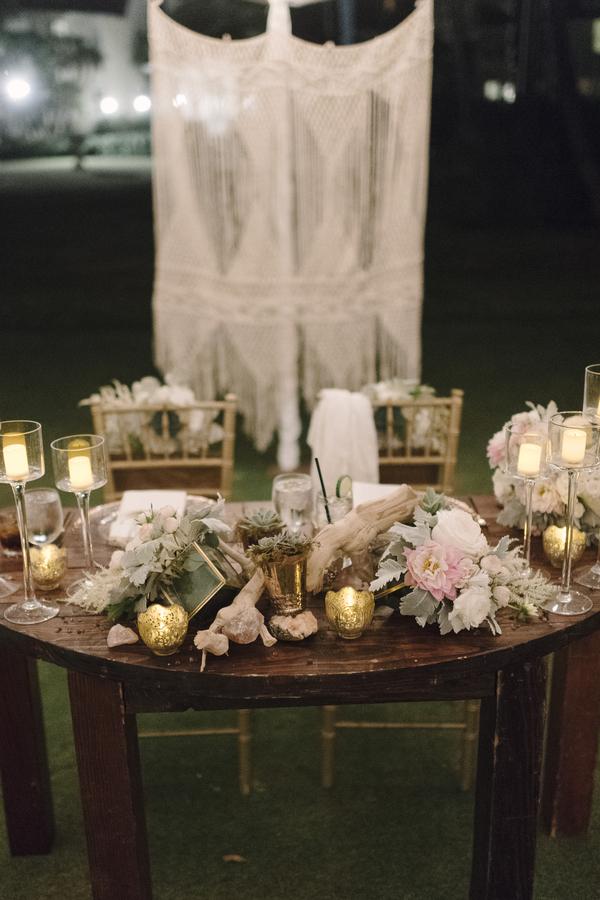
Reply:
x=526, y=459
x=44, y=516
x=79, y=465
x=574, y=446
x=22, y=460
x=590, y=576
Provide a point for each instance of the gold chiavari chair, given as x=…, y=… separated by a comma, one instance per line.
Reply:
x=188, y=447
x=418, y=444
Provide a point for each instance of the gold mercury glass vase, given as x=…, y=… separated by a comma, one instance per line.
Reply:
x=349, y=611
x=163, y=628
x=286, y=585
x=553, y=541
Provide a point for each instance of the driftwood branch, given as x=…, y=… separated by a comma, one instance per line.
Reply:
x=357, y=530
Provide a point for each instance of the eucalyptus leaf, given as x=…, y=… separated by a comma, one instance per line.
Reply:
x=418, y=603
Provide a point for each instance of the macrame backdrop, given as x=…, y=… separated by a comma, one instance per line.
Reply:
x=290, y=188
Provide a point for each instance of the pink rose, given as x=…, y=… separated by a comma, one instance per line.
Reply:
x=436, y=569
x=170, y=525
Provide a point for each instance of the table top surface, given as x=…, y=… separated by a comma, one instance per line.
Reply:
x=391, y=652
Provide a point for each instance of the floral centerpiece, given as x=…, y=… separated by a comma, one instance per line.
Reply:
x=153, y=562
x=452, y=576
x=550, y=493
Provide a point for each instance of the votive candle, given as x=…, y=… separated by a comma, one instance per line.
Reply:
x=529, y=461
x=80, y=473
x=16, y=464
x=574, y=442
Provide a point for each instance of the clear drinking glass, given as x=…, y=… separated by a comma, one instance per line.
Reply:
x=10, y=545
x=590, y=576
x=293, y=499
x=44, y=516
x=338, y=508
x=574, y=447
x=22, y=460
x=526, y=458
x=79, y=463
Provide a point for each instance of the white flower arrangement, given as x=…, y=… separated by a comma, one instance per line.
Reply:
x=149, y=391
x=152, y=561
x=455, y=578
x=550, y=493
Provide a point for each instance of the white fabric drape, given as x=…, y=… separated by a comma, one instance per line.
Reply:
x=342, y=436
x=290, y=188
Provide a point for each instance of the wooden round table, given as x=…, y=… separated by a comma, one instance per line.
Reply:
x=394, y=661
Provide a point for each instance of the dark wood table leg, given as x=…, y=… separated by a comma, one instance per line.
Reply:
x=111, y=789
x=23, y=761
x=508, y=779
x=572, y=738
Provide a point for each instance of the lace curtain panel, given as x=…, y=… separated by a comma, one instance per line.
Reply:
x=289, y=193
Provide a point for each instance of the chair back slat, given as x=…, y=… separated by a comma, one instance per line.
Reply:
x=158, y=445
x=418, y=440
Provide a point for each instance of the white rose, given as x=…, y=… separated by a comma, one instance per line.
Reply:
x=170, y=525
x=470, y=607
x=501, y=595
x=456, y=528
x=115, y=560
x=167, y=512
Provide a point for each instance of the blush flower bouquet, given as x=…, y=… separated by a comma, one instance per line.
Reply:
x=549, y=501
x=454, y=577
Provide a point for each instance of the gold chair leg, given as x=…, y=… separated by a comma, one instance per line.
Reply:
x=327, y=745
x=469, y=745
x=245, y=751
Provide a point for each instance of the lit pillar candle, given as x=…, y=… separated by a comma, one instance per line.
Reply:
x=16, y=464
x=80, y=473
x=528, y=463
x=574, y=442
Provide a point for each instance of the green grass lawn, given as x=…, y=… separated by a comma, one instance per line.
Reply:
x=510, y=315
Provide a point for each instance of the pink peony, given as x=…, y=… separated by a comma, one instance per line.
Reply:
x=436, y=569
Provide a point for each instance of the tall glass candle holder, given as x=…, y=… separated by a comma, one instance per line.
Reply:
x=574, y=447
x=79, y=463
x=525, y=456
x=590, y=576
x=22, y=460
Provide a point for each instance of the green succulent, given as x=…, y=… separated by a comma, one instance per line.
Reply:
x=280, y=547
x=260, y=524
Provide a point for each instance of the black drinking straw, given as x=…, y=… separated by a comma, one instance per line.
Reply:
x=327, y=513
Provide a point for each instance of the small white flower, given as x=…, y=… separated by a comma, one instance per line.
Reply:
x=141, y=519
x=501, y=595
x=491, y=564
x=145, y=532
x=116, y=559
x=170, y=525
x=167, y=512
x=133, y=544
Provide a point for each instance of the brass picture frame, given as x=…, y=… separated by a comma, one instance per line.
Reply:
x=198, y=586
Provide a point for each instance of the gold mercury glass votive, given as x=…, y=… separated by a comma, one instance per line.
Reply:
x=349, y=611
x=48, y=566
x=553, y=541
x=163, y=628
